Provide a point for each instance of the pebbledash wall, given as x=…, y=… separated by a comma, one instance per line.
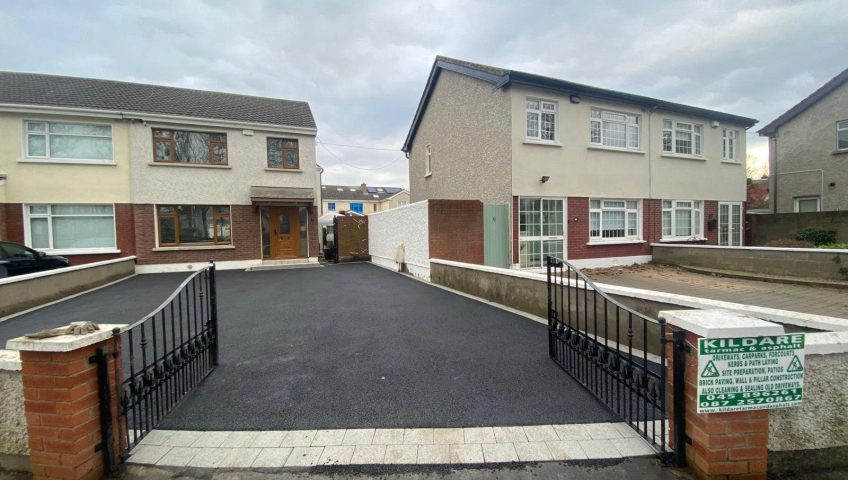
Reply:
x=14, y=449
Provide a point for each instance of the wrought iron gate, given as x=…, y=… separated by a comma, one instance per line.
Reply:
x=615, y=352
x=164, y=356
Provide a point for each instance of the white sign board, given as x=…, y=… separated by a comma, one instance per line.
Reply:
x=750, y=373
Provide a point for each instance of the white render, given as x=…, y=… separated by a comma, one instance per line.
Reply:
x=155, y=183
x=407, y=226
x=720, y=323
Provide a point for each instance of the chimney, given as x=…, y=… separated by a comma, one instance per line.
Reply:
x=364, y=188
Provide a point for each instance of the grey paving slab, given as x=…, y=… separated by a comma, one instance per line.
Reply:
x=357, y=346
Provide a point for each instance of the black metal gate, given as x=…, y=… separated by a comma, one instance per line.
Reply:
x=164, y=356
x=615, y=352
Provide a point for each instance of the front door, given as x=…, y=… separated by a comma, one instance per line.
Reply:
x=284, y=223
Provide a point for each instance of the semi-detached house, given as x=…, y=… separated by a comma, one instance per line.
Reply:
x=583, y=173
x=97, y=169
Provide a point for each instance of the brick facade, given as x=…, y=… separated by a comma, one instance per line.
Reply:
x=456, y=230
x=3, y=221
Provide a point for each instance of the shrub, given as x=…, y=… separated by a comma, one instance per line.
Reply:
x=789, y=243
x=838, y=246
x=818, y=236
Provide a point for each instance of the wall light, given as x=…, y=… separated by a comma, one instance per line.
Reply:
x=544, y=178
x=574, y=98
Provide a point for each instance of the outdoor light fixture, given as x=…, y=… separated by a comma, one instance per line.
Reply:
x=575, y=98
x=544, y=178
x=832, y=184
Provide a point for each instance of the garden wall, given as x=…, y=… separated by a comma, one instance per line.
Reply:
x=763, y=228
x=14, y=451
x=407, y=226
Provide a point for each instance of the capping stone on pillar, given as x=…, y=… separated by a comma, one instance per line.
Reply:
x=62, y=404
x=732, y=445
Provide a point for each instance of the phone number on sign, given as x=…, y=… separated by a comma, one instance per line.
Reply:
x=751, y=398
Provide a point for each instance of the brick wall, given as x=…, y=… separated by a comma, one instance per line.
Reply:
x=2, y=221
x=15, y=223
x=578, y=235
x=245, y=235
x=352, y=238
x=456, y=230
x=711, y=213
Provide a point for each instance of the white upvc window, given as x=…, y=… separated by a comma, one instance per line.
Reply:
x=842, y=135
x=613, y=220
x=428, y=161
x=68, y=142
x=730, y=224
x=541, y=230
x=70, y=228
x=682, y=138
x=682, y=219
x=729, y=145
x=541, y=119
x=614, y=129
x=807, y=204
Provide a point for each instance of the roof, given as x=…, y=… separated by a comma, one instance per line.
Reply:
x=806, y=103
x=500, y=77
x=111, y=95
x=361, y=193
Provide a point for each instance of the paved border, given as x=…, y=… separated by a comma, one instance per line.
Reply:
x=392, y=446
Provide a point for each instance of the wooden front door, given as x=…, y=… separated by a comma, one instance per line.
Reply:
x=285, y=232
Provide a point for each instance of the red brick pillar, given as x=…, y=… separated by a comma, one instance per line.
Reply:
x=730, y=445
x=62, y=402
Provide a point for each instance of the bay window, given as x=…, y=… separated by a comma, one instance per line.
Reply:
x=540, y=230
x=613, y=220
x=614, y=129
x=682, y=219
x=541, y=119
x=682, y=138
x=81, y=142
x=729, y=139
x=193, y=225
x=178, y=146
x=70, y=227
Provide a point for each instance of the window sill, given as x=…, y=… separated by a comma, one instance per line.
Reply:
x=194, y=247
x=615, y=149
x=840, y=152
x=683, y=239
x=617, y=242
x=289, y=170
x=683, y=157
x=731, y=162
x=111, y=163
x=80, y=251
x=531, y=141
x=189, y=165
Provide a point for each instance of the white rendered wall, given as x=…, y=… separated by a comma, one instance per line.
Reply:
x=406, y=225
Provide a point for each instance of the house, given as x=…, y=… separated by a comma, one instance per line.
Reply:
x=583, y=173
x=808, y=151
x=361, y=198
x=97, y=169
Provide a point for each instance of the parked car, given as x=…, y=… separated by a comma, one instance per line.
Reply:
x=17, y=260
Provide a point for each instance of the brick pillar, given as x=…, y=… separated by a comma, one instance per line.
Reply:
x=62, y=403
x=732, y=445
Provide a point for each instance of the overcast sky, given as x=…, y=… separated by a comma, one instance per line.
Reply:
x=362, y=65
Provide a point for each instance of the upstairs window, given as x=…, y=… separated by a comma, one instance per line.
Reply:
x=541, y=119
x=614, y=129
x=283, y=153
x=198, y=148
x=331, y=206
x=682, y=138
x=356, y=207
x=842, y=135
x=729, y=145
x=69, y=141
x=611, y=220
x=682, y=219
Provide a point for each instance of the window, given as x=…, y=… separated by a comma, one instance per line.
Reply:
x=193, y=224
x=614, y=129
x=540, y=230
x=730, y=224
x=69, y=141
x=402, y=203
x=283, y=153
x=70, y=227
x=331, y=206
x=177, y=146
x=541, y=119
x=682, y=138
x=842, y=135
x=728, y=145
x=428, y=162
x=356, y=207
x=807, y=204
x=682, y=219
x=611, y=220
